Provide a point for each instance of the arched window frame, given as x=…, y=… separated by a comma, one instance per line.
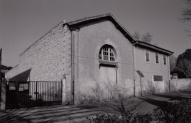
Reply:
x=107, y=55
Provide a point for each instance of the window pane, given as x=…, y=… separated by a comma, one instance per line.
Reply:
x=164, y=58
x=157, y=58
x=105, y=57
x=112, y=58
x=147, y=56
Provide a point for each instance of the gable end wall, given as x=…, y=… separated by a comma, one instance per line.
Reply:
x=48, y=59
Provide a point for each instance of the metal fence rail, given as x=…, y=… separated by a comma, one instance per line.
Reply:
x=33, y=93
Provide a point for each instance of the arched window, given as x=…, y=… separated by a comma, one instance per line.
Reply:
x=107, y=53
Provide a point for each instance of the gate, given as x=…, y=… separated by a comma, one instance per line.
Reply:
x=33, y=93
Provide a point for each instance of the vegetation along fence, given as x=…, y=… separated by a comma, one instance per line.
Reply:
x=33, y=93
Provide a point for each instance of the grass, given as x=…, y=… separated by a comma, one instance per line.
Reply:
x=136, y=110
x=124, y=110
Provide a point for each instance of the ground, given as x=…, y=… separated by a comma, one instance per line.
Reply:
x=73, y=114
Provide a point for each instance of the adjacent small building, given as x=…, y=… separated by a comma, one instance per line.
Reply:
x=154, y=65
x=94, y=54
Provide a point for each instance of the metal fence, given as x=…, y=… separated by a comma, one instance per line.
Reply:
x=33, y=93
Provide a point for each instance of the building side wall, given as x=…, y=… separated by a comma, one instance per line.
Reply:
x=149, y=69
x=90, y=39
x=49, y=59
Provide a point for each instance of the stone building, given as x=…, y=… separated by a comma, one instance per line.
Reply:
x=3, y=68
x=94, y=54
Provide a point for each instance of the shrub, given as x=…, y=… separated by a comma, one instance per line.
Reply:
x=114, y=118
x=141, y=118
x=178, y=112
x=105, y=118
x=121, y=113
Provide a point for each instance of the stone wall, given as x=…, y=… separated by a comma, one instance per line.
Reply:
x=48, y=59
x=180, y=84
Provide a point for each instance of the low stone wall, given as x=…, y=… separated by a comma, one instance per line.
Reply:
x=180, y=84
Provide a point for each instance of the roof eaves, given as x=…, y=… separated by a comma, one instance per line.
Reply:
x=87, y=19
x=153, y=47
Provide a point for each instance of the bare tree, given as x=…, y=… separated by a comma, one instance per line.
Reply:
x=147, y=37
x=187, y=11
x=136, y=36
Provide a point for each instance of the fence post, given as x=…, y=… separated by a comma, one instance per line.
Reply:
x=3, y=94
x=134, y=88
x=63, y=89
x=169, y=85
x=36, y=92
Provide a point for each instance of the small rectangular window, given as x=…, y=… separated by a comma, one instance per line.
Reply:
x=157, y=58
x=23, y=87
x=164, y=58
x=147, y=56
x=12, y=86
x=157, y=78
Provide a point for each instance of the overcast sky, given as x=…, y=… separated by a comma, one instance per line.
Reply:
x=24, y=21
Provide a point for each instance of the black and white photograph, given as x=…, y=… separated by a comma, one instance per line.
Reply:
x=95, y=61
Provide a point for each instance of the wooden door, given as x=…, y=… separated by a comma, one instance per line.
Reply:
x=108, y=79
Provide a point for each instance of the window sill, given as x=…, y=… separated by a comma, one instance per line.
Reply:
x=108, y=63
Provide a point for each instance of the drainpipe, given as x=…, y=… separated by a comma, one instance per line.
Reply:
x=169, y=78
x=141, y=86
x=72, y=67
x=77, y=61
x=74, y=61
x=133, y=53
x=0, y=64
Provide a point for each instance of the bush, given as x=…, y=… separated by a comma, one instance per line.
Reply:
x=105, y=118
x=115, y=118
x=178, y=112
x=122, y=113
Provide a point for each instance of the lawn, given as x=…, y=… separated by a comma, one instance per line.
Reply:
x=151, y=108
